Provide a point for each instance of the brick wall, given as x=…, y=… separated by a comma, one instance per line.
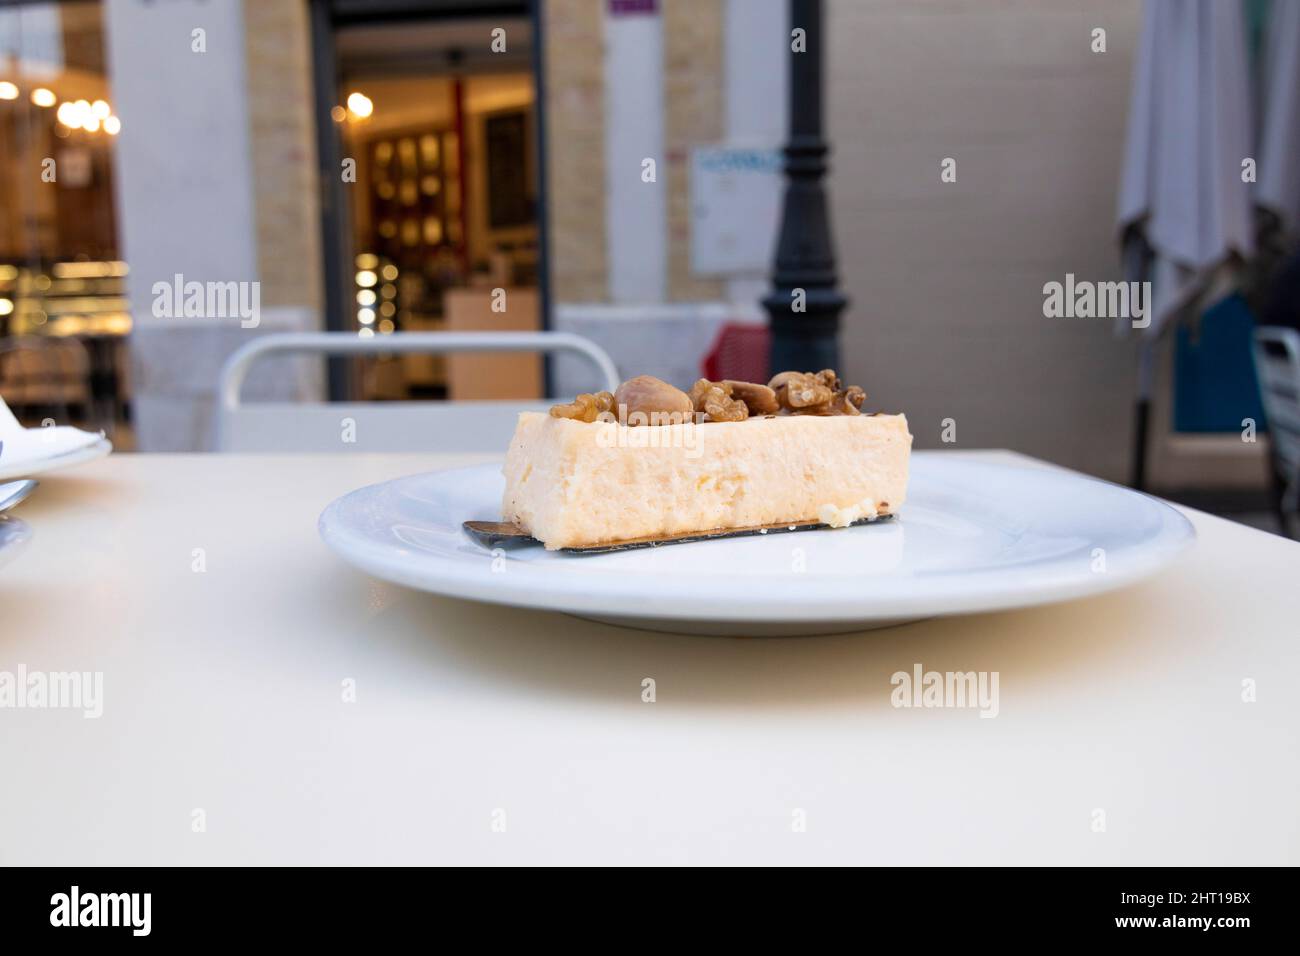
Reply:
x=575, y=118
x=693, y=108
x=283, y=139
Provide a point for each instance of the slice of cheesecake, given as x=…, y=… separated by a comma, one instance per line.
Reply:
x=575, y=483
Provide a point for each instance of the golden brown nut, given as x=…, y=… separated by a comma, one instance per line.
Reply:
x=722, y=408
x=779, y=380
x=823, y=393
x=700, y=389
x=716, y=401
x=651, y=397
x=759, y=399
x=797, y=391
x=828, y=378
x=584, y=408
x=849, y=401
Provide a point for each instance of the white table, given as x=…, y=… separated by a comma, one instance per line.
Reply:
x=223, y=692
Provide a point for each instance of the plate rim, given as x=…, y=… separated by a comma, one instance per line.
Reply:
x=1175, y=537
x=101, y=446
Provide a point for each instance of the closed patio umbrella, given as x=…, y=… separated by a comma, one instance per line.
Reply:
x=1278, y=189
x=1184, y=210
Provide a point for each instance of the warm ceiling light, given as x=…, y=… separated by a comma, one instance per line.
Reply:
x=338, y=114
x=112, y=125
x=90, y=124
x=43, y=97
x=76, y=114
x=10, y=92
x=100, y=109
x=6, y=306
x=360, y=105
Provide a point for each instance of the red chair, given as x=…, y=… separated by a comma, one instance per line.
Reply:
x=741, y=352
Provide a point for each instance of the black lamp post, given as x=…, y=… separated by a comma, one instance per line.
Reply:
x=805, y=302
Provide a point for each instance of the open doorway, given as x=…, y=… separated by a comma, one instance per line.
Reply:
x=64, y=316
x=435, y=223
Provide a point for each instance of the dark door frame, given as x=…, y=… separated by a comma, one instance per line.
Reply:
x=326, y=17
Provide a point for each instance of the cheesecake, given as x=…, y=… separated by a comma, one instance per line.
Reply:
x=653, y=462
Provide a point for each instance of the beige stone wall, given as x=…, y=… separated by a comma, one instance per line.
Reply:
x=283, y=138
x=945, y=279
x=693, y=116
x=575, y=119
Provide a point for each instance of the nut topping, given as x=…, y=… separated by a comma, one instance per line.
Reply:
x=797, y=391
x=759, y=399
x=584, y=408
x=849, y=401
x=653, y=398
x=806, y=393
x=648, y=400
x=715, y=400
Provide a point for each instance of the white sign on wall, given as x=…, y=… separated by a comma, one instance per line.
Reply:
x=735, y=209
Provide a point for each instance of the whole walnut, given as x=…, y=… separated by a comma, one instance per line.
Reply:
x=715, y=399
x=800, y=390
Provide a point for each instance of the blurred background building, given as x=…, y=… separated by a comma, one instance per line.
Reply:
x=613, y=165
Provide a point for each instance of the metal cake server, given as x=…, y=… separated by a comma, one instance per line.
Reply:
x=492, y=533
x=12, y=492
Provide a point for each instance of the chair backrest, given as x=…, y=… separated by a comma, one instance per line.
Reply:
x=383, y=426
x=741, y=351
x=1277, y=362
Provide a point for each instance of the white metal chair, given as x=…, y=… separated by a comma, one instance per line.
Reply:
x=1277, y=364
x=484, y=426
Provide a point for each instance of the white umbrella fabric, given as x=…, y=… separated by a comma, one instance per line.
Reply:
x=1189, y=130
x=1278, y=188
x=1185, y=211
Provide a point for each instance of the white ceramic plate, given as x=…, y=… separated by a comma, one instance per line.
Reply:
x=31, y=467
x=971, y=537
x=13, y=535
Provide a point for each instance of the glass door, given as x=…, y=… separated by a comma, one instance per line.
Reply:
x=438, y=228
